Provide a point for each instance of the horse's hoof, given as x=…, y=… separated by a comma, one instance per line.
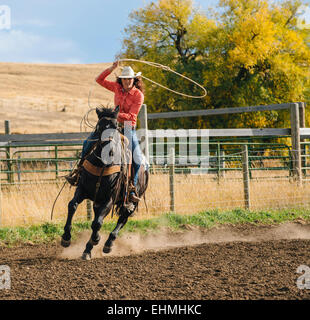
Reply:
x=86, y=256
x=106, y=249
x=65, y=243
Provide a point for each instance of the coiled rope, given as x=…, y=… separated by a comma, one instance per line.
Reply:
x=166, y=68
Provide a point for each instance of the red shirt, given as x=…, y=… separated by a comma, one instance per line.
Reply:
x=129, y=102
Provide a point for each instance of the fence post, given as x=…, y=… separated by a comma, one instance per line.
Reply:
x=246, y=177
x=302, y=124
x=88, y=208
x=171, y=178
x=296, y=150
x=8, y=152
x=144, y=127
x=221, y=164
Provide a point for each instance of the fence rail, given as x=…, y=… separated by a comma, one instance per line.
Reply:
x=216, y=112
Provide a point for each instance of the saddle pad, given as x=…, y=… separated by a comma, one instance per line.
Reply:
x=96, y=171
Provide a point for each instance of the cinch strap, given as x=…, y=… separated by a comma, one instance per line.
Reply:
x=96, y=171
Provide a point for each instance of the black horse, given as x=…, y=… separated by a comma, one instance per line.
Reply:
x=105, y=180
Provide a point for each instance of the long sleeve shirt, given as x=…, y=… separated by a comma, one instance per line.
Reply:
x=129, y=102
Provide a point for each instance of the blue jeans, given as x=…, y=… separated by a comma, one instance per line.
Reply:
x=89, y=143
x=137, y=157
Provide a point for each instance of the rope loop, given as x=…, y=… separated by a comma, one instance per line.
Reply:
x=166, y=68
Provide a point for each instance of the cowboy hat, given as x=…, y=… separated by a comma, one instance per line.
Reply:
x=128, y=73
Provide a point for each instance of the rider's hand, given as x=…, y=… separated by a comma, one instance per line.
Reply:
x=115, y=65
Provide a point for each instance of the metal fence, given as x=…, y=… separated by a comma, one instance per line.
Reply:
x=46, y=162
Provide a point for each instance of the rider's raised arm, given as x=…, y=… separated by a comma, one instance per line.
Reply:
x=101, y=79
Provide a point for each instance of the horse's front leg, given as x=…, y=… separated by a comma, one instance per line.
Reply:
x=124, y=215
x=72, y=206
x=101, y=211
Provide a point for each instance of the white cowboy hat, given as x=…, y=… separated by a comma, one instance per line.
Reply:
x=128, y=73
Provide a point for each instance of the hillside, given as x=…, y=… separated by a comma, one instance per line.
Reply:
x=42, y=98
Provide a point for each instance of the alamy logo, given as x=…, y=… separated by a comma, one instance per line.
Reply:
x=5, y=277
x=303, y=282
x=303, y=17
x=5, y=17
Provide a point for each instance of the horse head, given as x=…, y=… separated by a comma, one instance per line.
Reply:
x=107, y=118
x=109, y=148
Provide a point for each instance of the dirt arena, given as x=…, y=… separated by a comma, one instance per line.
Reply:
x=244, y=262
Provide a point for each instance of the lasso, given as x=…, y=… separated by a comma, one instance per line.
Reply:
x=158, y=65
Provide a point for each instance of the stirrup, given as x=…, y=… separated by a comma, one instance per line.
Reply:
x=134, y=198
x=129, y=206
x=73, y=177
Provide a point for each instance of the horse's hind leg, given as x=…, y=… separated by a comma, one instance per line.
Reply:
x=124, y=214
x=100, y=213
x=72, y=206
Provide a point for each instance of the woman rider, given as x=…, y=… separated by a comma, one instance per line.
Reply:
x=128, y=95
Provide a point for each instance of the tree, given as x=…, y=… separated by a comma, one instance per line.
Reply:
x=251, y=54
x=266, y=59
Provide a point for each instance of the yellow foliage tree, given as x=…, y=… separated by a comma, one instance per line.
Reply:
x=252, y=53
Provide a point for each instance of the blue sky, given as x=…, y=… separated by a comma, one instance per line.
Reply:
x=67, y=31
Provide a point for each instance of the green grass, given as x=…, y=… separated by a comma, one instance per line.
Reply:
x=49, y=232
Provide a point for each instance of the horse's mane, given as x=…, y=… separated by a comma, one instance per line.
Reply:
x=106, y=112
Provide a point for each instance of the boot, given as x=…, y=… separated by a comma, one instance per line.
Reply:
x=133, y=198
x=133, y=195
x=73, y=177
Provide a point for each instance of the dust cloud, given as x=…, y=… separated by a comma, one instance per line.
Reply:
x=132, y=243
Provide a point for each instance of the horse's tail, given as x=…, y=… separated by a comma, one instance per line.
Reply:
x=143, y=184
x=143, y=180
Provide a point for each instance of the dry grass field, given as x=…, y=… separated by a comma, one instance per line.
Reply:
x=43, y=98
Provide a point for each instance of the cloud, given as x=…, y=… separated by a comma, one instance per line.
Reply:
x=32, y=22
x=21, y=46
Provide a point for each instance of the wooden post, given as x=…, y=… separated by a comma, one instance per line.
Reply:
x=302, y=114
x=88, y=208
x=8, y=152
x=246, y=177
x=171, y=178
x=144, y=127
x=218, y=153
x=302, y=124
x=221, y=164
x=296, y=150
